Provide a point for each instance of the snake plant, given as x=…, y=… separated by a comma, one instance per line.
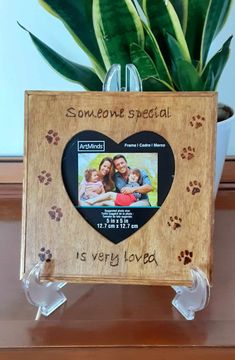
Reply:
x=168, y=41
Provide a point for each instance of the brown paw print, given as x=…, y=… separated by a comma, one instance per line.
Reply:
x=52, y=137
x=185, y=256
x=188, y=153
x=45, y=177
x=197, y=121
x=45, y=255
x=55, y=213
x=194, y=187
x=174, y=222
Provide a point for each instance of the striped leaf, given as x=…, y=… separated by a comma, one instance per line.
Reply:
x=181, y=8
x=216, y=15
x=152, y=48
x=197, y=10
x=216, y=65
x=209, y=83
x=143, y=62
x=154, y=84
x=117, y=25
x=70, y=70
x=163, y=18
x=77, y=18
x=186, y=77
x=174, y=48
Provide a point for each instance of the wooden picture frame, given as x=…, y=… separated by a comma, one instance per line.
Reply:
x=173, y=237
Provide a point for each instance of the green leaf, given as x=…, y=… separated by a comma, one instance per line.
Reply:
x=154, y=51
x=181, y=8
x=154, y=84
x=209, y=83
x=216, y=15
x=174, y=48
x=197, y=10
x=77, y=18
x=143, y=62
x=140, y=3
x=217, y=63
x=117, y=25
x=72, y=71
x=222, y=20
x=186, y=77
x=163, y=18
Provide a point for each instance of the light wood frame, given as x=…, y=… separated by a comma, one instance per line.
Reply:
x=192, y=120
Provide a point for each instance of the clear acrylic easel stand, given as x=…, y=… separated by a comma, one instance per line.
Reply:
x=189, y=300
x=47, y=296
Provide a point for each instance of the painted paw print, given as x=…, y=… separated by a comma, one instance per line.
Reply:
x=52, y=137
x=188, y=153
x=185, y=256
x=174, y=222
x=55, y=213
x=197, y=121
x=45, y=177
x=194, y=187
x=45, y=255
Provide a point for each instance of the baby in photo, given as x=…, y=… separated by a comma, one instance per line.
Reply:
x=118, y=199
x=91, y=186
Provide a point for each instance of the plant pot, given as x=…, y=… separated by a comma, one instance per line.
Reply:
x=223, y=133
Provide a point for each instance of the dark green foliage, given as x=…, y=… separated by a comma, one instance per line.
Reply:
x=169, y=47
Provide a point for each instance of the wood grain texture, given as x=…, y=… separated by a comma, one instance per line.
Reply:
x=46, y=111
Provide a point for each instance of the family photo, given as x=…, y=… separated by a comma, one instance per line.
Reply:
x=117, y=179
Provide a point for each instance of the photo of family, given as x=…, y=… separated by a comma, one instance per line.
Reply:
x=110, y=179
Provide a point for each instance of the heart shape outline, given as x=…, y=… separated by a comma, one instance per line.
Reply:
x=140, y=215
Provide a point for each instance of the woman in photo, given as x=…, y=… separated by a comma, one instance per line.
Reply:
x=104, y=176
x=106, y=173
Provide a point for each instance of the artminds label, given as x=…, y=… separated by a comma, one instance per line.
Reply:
x=85, y=146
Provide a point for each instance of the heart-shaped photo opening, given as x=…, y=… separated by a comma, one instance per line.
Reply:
x=117, y=188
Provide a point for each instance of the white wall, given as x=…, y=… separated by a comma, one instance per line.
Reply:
x=22, y=67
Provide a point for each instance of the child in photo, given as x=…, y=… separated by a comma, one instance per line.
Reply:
x=118, y=199
x=91, y=186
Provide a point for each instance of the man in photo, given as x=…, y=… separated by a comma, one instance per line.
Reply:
x=121, y=179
